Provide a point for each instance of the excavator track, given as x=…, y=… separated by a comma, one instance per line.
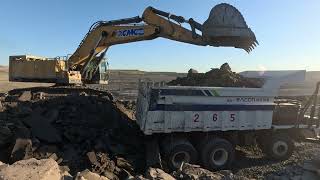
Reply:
x=62, y=90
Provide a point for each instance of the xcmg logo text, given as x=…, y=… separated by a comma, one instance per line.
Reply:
x=130, y=32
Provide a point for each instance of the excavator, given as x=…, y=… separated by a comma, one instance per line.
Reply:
x=225, y=27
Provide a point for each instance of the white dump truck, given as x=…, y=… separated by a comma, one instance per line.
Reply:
x=203, y=125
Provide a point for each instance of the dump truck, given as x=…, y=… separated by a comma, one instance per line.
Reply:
x=203, y=125
x=224, y=27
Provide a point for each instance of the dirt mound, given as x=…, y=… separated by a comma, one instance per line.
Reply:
x=78, y=130
x=218, y=77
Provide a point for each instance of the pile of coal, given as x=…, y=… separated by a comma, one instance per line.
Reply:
x=78, y=130
x=217, y=77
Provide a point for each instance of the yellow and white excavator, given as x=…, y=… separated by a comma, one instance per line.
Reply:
x=225, y=27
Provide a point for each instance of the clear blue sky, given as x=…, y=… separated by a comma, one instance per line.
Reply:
x=288, y=32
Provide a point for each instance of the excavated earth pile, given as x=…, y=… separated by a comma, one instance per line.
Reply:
x=217, y=77
x=78, y=130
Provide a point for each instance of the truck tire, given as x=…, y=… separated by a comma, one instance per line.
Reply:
x=217, y=154
x=178, y=151
x=280, y=147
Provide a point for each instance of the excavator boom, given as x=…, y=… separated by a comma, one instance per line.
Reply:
x=224, y=27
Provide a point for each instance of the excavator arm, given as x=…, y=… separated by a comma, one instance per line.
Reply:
x=224, y=27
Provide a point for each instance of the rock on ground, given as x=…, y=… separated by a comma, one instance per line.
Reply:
x=21, y=150
x=88, y=175
x=31, y=169
x=25, y=96
x=194, y=172
x=158, y=174
x=3, y=165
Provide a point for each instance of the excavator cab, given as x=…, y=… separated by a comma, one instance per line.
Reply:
x=102, y=74
x=227, y=27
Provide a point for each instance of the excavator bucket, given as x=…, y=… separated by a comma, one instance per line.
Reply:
x=227, y=27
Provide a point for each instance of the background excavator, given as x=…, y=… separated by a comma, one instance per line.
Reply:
x=225, y=27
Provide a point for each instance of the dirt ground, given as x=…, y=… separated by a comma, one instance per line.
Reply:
x=250, y=162
x=6, y=86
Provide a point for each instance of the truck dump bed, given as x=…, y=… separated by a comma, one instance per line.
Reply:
x=185, y=109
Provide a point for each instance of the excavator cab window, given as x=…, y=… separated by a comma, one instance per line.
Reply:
x=102, y=74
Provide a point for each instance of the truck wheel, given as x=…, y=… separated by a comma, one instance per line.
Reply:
x=280, y=147
x=217, y=154
x=178, y=151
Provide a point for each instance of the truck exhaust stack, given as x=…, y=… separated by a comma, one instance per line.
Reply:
x=227, y=27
